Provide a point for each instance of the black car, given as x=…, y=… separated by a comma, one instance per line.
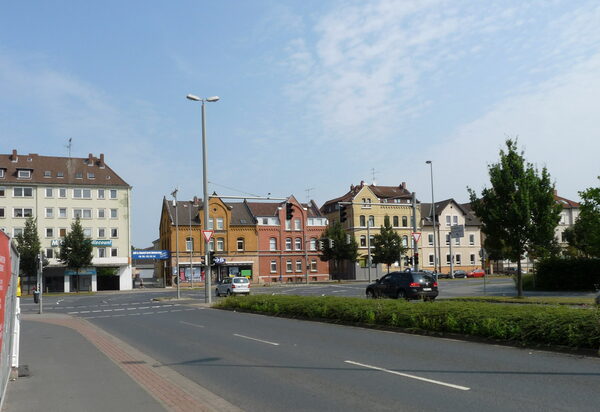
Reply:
x=459, y=274
x=404, y=285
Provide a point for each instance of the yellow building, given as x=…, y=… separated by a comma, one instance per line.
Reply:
x=362, y=211
x=233, y=242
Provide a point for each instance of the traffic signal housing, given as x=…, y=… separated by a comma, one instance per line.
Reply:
x=289, y=211
x=343, y=213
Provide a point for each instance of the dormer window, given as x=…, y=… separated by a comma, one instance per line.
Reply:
x=91, y=176
x=60, y=174
x=47, y=173
x=79, y=175
x=2, y=173
x=24, y=174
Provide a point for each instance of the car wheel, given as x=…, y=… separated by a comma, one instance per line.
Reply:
x=229, y=292
x=370, y=294
x=401, y=294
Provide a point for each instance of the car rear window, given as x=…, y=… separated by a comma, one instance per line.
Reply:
x=240, y=280
x=422, y=277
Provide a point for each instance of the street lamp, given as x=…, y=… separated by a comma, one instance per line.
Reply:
x=207, y=295
x=435, y=255
x=174, y=194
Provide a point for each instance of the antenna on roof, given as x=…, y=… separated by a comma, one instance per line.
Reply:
x=373, y=173
x=68, y=145
x=308, y=193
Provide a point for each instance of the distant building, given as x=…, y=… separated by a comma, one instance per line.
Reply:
x=57, y=190
x=568, y=217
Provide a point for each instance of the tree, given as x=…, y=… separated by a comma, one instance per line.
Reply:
x=29, y=246
x=387, y=245
x=584, y=236
x=343, y=249
x=76, y=249
x=518, y=213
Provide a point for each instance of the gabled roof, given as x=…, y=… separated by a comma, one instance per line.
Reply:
x=90, y=171
x=465, y=208
x=382, y=192
x=240, y=215
x=565, y=203
x=185, y=208
x=263, y=209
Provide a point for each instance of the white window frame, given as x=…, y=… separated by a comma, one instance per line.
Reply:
x=82, y=212
x=62, y=192
x=288, y=266
x=431, y=259
x=114, y=213
x=297, y=225
x=313, y=265
x=448, y=220
x=101, y=213
x=101, y=232
x=23, y=212
x=114, y=252
x=49, y=192
x=23, y=191
x=23, y=174
x=473, y=258
x=240, y=243
x=430, y=239
x=62, y=215
x=189, y=244
x=288, y=243
x=101, y=194
x=220, y=223
x=87, y=232
x=313, y=243
x=298, y=266
x=49, y=212
x=2, y=212
x=101, y=252
x=113, y=194
x=273, y=266
x=458, y=259
x=49, y=232
x=288, y=224
x=114, y=232
x=273, y=243
x=220, y=244
x=472, y=239
x=81, y=193
x=298, y=244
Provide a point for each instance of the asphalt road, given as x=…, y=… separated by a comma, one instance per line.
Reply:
x=261, y=363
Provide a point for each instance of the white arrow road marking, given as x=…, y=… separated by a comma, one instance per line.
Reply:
x=258, y=340
x=450, y=385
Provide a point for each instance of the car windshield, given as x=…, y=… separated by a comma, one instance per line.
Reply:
x=240, y=280
x=421, y=277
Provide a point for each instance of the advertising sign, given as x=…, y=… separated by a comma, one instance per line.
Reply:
x=150, y=254
x=101, y=242
x=457, y=231
x=82, y=272
x=5, y=272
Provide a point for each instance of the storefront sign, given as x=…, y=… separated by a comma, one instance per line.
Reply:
x=150, y=254
x=82, y=272
x=99, y=242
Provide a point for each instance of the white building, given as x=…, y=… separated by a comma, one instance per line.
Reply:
x=56, y=190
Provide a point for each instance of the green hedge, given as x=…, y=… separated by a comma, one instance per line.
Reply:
x=524, y=325
x=567, y=274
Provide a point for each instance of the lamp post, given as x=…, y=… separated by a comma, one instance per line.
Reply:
x=435, y=255
x=207, y=295
x=191, y=245
x=174, y=194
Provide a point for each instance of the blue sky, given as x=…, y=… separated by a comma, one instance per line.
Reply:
x=314, y=94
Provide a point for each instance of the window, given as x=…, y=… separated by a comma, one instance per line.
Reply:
x=101, y=213
x=455, y=220
x=62, y=212
x=240, y=243
x=288, y=243
x=189, y=244
x=47, y=173
x=372, y=221
x=101, y=252
x=457, y=241
x=113, y=213
x=288, y=265
x=114, y=232
x=79, y=175
x=82, y=194
x=87, y=232
x=273, y=244
x=60, y=174
x=101, y=232
x=82, y=213
x=114, y=252
x=49, y=212
x=298, y=245
x=458, y=259
x=62, y=232
x=447, y=239
x=313, y=265
x=265, y=221
x=297, y=225
x=288, y=225
x=62, y=192
x=447, y=259
x=363, y=241
x=298, y=266
x=49, y=253
x=49, y=232
x=91, y=175
x=211, y=224
x=2, y=191
x=2, y=171
x=211, y=245
x=113, y=193
x=313, y=243
x=396, y=221
x=430, y=239
x=372, y=241
x=49, y=192
x=24, y=174
x=448, y=220
x=22, y=192
x=2, y=212
x=431, y=259
x=273, y=266
x=22, y=212
x=471, y=240
x=100, y=193
x=472, y=258
x=17, y=231
x=366, y=203
x=220, y=244
x=219, y=223
x=405, y=241
x=363, y=221
x=404, y=221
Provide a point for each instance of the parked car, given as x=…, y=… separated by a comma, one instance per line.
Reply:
x=459, y=274
x=404, y=285
x=477, y=273
x=233, y=286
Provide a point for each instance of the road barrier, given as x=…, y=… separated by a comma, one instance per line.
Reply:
x=9, y=311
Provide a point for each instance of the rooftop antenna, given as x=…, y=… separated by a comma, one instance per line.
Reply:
x=373, y=173
x=308, y=193
x=68, y=146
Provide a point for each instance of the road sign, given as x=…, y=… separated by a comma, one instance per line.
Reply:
x=416, y=236
x=207, y=235
x=457, y=231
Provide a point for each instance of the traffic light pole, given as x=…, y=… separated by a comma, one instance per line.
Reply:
x=414, y=222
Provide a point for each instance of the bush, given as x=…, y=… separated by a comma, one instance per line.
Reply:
x=568, y=274
x=518, y=324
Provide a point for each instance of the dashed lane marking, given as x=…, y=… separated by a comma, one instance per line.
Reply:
x=258, y=340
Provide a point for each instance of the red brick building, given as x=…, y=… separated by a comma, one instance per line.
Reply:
x=287, y=248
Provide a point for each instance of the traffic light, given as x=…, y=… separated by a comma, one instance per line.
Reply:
x=343, y=213
x=289, y=211
x=211, y=258
x=331, y=243
x=321, y=244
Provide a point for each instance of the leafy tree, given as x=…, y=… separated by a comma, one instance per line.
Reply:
x=584, y=236
x=76, y=249
x=29, y=246
x=387, y=245
x=518, y=213
x=342, y=248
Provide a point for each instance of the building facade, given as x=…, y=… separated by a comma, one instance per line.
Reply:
x=364, y=208
x=568, y=217
x=57, y=190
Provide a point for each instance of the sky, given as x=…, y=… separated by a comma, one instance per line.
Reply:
x=314, y=95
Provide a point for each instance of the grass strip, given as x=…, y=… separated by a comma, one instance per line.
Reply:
x=534, y=300
x=523, y=325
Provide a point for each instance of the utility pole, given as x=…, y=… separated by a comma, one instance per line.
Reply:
x=191, y=247
x=40, y=283
x=176, y=241
x=414, y=222
x=369, y=248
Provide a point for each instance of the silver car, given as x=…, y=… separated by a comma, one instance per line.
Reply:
x=233, y=286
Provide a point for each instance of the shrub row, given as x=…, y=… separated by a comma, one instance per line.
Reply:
x=568, y=274
x=526, y=325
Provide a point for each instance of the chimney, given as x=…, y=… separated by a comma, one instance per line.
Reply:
x=362, y=183
x=90, y=161
x=555, y=192
x=403, y=185
x=14, y=156
x=196, y=201
x=101, y=162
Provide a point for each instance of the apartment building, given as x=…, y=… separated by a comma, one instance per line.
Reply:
x=57, y=190
x=568, y=216
x=362, y=211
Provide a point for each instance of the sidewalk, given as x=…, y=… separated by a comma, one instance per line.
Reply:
x=76, y=367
